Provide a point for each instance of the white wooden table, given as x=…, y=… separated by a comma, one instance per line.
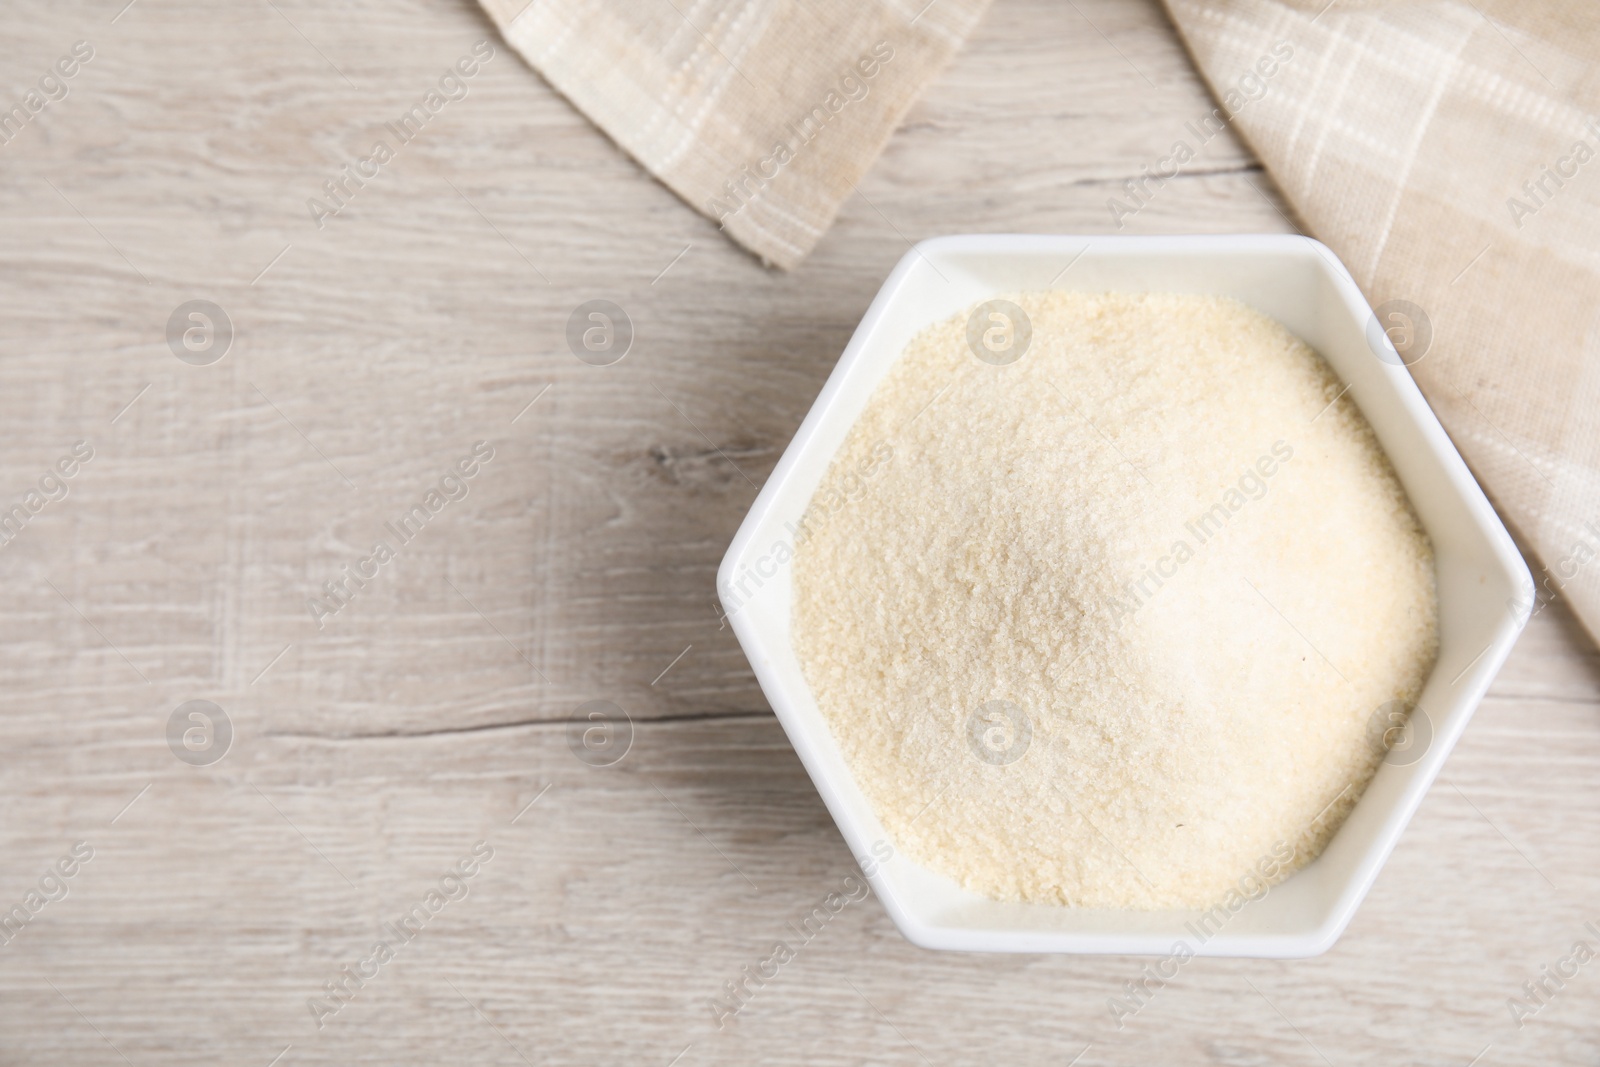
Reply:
x=370, y=755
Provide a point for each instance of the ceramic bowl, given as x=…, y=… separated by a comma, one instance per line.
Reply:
x=1484, y=587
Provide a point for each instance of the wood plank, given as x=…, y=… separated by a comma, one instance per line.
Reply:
x=617, y=904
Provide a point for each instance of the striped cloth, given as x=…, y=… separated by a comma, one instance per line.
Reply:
x=1449, y=151
x=762, y=114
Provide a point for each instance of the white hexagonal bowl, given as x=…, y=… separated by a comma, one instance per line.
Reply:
x=1484, y=586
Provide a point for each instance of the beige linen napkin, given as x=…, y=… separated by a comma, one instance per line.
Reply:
x=762, y=114
x=1449, y=152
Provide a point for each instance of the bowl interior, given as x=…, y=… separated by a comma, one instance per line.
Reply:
x=1482, y=580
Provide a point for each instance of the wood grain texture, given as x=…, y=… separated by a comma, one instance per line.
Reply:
x=372, y=753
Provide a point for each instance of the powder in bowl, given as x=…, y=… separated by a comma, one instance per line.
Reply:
x=1112, y=622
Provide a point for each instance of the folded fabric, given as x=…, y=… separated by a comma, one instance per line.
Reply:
x=763, y=114
x=1449, y=152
